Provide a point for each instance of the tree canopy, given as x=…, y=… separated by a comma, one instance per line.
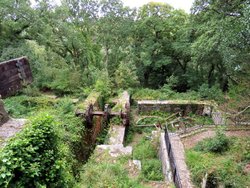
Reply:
x=74, y=44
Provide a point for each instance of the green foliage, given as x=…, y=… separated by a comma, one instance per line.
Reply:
x=213, y=93
x=31, y=91
x=165, y=93
x=67, y=135
x=146, y=152
x=125, y=76
x=228, y=170
x=106, y=174
x=149, y=94
x=152, y=170
x=23, y=106
x=103, y=85
x=218, y=144
x=32, y=159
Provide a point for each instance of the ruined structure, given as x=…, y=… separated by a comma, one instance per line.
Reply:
x=14, y=74
x=3, y=114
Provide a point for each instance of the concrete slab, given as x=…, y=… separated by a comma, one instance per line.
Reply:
x=117, y=134
x=116, y=150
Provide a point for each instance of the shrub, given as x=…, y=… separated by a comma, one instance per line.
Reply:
x=62, y=146
x=217, y=144
x=32, y=158
x=31, y=91
x=125, y=76
x=146, y=151
x=211, y=93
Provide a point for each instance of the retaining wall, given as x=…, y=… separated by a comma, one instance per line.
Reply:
x=163, y=154
x=185, y=107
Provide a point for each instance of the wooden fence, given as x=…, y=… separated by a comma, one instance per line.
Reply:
x=14, y=74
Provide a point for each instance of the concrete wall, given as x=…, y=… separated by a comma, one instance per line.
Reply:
x=185, y=107
x=170, y=106
x=163, y=154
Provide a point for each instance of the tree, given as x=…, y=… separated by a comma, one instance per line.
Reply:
x=219, y=47
x=125, y=76
x=156, y=53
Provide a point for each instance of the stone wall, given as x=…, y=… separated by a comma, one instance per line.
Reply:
x=3, y=114
x=163, y=154
x=171, y=106
x=185, y=107
x=14, y=74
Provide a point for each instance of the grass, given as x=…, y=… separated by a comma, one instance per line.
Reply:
x=103, y=171
x=225, y=168
x=147, y=152
x=23, y=106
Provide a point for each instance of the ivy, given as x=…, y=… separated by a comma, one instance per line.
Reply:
x=32, y=158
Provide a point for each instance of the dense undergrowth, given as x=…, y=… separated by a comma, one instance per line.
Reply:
x=223, y=159
x=147, y=152
x=49, y=151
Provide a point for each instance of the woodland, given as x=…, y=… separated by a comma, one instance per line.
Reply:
x=80, y=49
x=81, y=45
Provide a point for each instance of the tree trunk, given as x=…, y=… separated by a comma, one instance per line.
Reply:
x=210, y=76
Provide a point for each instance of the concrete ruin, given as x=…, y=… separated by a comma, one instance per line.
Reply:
x=184, y=107
x=115, y=144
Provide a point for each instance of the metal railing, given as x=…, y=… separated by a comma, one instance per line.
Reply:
x=175, y=174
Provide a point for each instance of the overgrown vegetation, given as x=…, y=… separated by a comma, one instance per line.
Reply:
x=147, y=152
x=217, y=144
x=102, y=171
x=49, y=151
x=224, y=163
x=156, y=52
x=37, y=157
x=77, y=46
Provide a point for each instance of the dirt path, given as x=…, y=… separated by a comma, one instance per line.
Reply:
x=9, y=129
x=192, y=140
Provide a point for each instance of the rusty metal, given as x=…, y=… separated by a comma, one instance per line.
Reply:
x=106, y=114
x=14, y=74
x=89, y=116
